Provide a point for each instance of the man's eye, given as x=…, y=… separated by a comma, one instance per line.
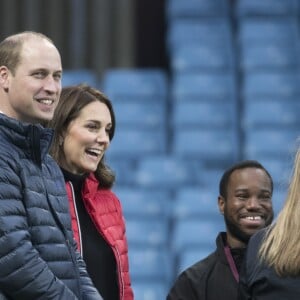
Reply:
x=39, y=74
x=57, y=76
x=266, y=197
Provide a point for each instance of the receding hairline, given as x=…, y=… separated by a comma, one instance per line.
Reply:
x=28, y=35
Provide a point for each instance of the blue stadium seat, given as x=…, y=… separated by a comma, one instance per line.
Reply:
x=144, y=203
x=149, y=290
x=137, y=142
x=166, y=171
x=76, y=76
x=195, y=233
x=141, y=114
x=260, y=30
x=273, y=8
x=149, y=264
x=271, y=112
x=280, y=143
x=142, y=85
x=271, y=83
x=147, y=233
x=196, y=202
x=196, y=9
x=204, y=114
x=201, y=86
x=269, y=55
x=139, y=97
x=213, y=31
x=124, y=169
x=208, y=145
x=202, y=56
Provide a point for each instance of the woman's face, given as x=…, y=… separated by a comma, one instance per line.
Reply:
x=86, y=139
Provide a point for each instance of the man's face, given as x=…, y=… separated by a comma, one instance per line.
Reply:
x=33, y=91
x=248, y=205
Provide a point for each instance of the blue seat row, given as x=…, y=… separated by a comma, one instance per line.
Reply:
x=196, y=9
x=273, y=8
x=212, y=31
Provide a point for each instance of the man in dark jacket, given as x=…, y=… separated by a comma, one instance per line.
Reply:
x=37, y=251
x=245, y=200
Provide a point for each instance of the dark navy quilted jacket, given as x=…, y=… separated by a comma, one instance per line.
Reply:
x=37, y=256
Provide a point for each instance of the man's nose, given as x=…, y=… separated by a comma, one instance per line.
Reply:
x=52, y=85
x=253, y=203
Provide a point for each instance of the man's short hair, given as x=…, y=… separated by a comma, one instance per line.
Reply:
x=10, y=48
x=237, y=166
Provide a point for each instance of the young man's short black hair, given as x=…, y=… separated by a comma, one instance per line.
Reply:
x=237, y=166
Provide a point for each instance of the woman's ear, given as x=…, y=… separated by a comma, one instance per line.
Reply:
x=60, y=141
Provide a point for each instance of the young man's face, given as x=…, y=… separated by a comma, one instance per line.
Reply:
x=248, y=205
x=33, y=91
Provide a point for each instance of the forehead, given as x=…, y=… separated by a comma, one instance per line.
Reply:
x=40, y=53
x=248, y=177
x=97, y=111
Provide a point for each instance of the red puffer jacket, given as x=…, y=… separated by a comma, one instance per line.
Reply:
x=105, y=210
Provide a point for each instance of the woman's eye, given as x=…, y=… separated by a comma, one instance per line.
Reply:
x=92, y=126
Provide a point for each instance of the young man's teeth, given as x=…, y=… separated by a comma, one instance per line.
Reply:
x=254, y=218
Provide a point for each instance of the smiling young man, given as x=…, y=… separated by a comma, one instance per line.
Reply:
x=38, y=258
x=245, y=200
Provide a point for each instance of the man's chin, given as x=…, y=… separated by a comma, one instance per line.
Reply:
x=239, y=233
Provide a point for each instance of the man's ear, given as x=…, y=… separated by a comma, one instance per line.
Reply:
x=221, y=204
x=4, y=77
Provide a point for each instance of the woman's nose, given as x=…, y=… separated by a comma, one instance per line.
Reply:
x=102, y=137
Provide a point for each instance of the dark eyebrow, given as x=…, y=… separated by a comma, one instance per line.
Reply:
x=242, y=190
x=39, y=70
x=46, y=70
x=98, y=122
x=266, y=191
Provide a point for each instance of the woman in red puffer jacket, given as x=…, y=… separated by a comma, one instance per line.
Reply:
x=84, y=125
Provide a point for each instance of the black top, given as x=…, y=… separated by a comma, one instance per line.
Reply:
x=259, y=281
x=238, y=257
x=210, y=278
x=97, y=254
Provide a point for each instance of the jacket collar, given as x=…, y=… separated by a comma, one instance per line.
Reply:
x=33, y=139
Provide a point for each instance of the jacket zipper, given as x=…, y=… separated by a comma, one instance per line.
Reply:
x=77, y=219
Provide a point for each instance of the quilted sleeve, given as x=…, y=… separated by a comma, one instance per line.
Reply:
x=23, y=273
